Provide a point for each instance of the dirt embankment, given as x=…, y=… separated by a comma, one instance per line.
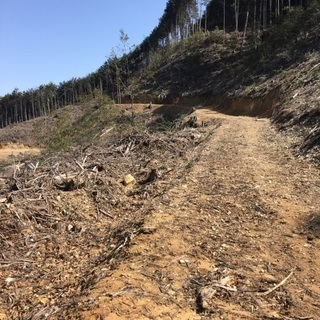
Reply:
x=232, y=233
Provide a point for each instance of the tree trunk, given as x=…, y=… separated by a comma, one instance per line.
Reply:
x=245, y=30
x=255, y=20
x=264, y=15
x=224, y=18
x=236, y=14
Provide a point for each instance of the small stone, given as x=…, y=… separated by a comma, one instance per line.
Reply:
x=129, y=179
x=71, y=228
x=9, y=280
x=206, y=295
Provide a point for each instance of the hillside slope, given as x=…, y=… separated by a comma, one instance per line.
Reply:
x=280, y=80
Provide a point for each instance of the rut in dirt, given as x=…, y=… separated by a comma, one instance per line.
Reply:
x=235, y=238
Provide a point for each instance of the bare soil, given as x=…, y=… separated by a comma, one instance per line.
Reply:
x=15, y=149
x=235, y=235
x=244, y=218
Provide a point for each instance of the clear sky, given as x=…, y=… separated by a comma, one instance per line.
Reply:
x=56, y=40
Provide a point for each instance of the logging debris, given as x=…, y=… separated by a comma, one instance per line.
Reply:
x=69, y=217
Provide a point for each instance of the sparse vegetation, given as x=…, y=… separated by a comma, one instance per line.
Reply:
x=77, y=125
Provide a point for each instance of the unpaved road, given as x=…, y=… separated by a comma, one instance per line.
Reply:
x=245, y=219
x=236, y=236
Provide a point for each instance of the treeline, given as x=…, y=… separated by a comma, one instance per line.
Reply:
x=20, y=106
x=181, y=20
x=258, y=15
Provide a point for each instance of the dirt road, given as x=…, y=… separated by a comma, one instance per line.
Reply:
x=237, y=237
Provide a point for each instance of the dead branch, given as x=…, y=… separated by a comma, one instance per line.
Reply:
x=105, y=213
x=225, y=287
x=278, y=285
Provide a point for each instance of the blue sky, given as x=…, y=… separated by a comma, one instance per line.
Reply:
x=56, y=40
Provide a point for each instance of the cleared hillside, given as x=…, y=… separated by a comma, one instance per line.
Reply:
x=278, y=81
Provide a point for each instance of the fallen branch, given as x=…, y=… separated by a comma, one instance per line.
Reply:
x=317, y=65
x=79, y=164
x=278, y=285
x=20, y=261
x=225, y=287
x=298, y=318
x=105, y=213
